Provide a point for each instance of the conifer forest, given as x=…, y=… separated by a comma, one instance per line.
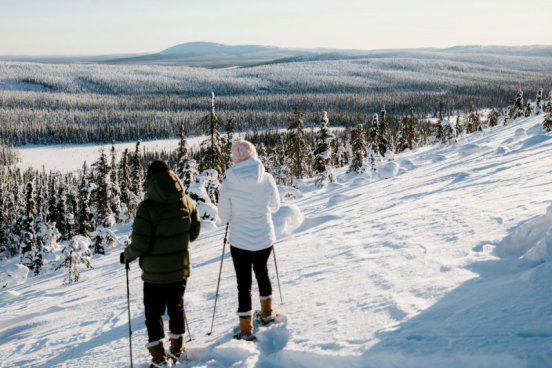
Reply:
x=306, y=119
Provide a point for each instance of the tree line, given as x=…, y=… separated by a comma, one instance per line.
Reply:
x=51, y=220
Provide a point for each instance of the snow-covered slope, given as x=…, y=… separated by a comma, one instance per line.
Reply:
x=446, y=264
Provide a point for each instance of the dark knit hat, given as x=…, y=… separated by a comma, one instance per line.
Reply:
x=156, y=167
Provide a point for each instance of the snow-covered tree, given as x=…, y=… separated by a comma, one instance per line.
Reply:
x=528, y=110
x=214, y=145
x=75, y=253
x=373, y=140
x=31, y=257
x=296, y=145
x=323, y=153
x=547, y=123
x=114, y=189
x=539, y=102
x=383, y=143
x=137, y=180
x=125, y=187
x=474, y=121
x=186, y=166
x=103, y=215
x=448, y=132
x=358, y=148
x=84, y=226
x=516, y=110
x=202, y=191
x=493, y=117
x=9, y=241
x=103, y=239
x=407, y=134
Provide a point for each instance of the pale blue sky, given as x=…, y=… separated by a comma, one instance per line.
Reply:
x=47, y=27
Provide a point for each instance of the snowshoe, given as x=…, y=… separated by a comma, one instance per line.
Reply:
x=246, y=337
x=164, y=364
x=184, y=357
x=266, y=321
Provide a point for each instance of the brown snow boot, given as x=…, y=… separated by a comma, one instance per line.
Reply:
x=246, y=329
x=177, y=346
x=267, y=314
x=266, y=307
x=158, y=356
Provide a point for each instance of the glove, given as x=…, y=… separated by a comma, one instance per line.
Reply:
x=122, y=258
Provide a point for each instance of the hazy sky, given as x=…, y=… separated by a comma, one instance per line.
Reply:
x=47, y=27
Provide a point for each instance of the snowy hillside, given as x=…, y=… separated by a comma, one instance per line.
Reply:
x=447, y=263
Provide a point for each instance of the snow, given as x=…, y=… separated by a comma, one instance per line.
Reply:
x=70, y=157
x=388, y=170
x=446, y=264
x=13, y=274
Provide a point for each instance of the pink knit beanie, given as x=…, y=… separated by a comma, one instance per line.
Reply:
x=242, y=150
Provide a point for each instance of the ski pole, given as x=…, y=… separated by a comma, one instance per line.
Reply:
x=127, y=266
x=277, y=275
x=187, y=325
x=218, y=281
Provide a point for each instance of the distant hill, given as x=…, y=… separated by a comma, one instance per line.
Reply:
x=215, y=55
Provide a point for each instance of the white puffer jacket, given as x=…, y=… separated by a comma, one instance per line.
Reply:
x=247, y=199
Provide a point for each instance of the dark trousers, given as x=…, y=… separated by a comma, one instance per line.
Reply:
x=244, y=260
x=157, y=299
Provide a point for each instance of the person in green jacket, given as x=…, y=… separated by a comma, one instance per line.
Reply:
x=166, y=222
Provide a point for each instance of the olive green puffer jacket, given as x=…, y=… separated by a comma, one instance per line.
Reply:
x=165, y=224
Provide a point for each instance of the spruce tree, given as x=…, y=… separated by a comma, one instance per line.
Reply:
x=323, y=153
x=8, y=218
x=137, y=179
x=382, y=133
x=52, y=215
x=474, y=121
x=114, y=189
x=214, y=144
x=61, y=209
x=84, y=216
x=358, y=148
x=227, y=149
x=547, y=123
x=538, y=102
x=296, y=145
x=125, y=185
x=493, y=118
x=373, y=141
x=186, y=166
x=31, y=257
x=516, y=110
x=104, y=216
x=182, y=155
x=407, y=136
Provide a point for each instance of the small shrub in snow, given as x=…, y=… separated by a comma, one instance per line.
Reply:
x=448, y=134
x=103, y=239
x=76, y=252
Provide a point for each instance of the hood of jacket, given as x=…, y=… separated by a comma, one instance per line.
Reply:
x=164, y=187
x=248, y=172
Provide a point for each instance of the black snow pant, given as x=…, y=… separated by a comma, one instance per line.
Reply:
x=243, y=261
x=157, y=299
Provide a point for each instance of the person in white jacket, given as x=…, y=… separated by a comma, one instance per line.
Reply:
x=248, y=197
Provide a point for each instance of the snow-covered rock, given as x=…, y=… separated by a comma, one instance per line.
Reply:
x=388, y=170
x=288, y=218
x=13, y=274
